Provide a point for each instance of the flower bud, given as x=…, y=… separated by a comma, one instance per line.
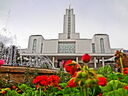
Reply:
x=86, y=58
x=84, y=74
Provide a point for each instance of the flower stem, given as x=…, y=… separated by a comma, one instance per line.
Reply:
x=84, y=91
x=121, y=63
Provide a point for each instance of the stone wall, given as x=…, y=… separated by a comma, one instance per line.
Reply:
x=17, y=74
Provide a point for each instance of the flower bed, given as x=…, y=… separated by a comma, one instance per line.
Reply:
x=78, y=81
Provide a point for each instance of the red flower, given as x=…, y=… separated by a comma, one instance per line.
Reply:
x=54, y=80
x=34, y=81
x=43, y=80
x=71, y=67
x=102, y=81
x=37, y=79
x=125, y=69
x=66, y=65
x=126, y=87
x=13, y=87
x=125, y=72
x=3, y=92
x=71, y=83
x=100, y=94
x=2, y=62
x=74, y=75
x=86, y=58
x=37, y=87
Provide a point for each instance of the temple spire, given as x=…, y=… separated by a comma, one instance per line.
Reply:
x=69, y=25
x=69, y=3
x=69, y=21
x=69, y=6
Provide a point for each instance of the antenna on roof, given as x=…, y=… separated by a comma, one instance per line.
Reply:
x=69, y=4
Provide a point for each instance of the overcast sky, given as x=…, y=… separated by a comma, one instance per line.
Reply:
x=23, y=18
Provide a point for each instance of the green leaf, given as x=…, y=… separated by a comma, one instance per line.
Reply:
x=113, y=85
x=63, y=85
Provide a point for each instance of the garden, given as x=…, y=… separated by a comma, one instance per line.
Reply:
x=74, y=80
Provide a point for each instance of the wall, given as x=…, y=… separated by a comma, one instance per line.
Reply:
x=50, y=46
x=17, y=74
x=83, y=46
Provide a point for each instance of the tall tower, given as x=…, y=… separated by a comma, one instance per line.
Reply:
x=69, y=26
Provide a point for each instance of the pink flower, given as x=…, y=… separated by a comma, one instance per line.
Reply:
x=86, y=58
x=2, y=62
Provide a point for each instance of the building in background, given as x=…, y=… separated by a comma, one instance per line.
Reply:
x=69, y=45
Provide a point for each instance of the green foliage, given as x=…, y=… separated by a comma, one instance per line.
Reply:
x=63, y=85
x=112, y=87
x=69, y=92
x=29, y=91
x=94, y=91
x=64, y=77
x=51, y=91
x=25, y=88
x=12, y=93
x=118, y=92
x=105, y=70
x=114, y=76
x=125, y=79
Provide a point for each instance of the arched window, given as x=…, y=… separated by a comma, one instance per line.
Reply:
x=102, y=45
x=34, y=46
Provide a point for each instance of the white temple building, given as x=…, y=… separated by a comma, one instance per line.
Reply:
x=69, y=45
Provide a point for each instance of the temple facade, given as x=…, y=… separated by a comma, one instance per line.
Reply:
x=69, y=45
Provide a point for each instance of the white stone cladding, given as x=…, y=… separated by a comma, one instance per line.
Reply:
x=50, y=46
x=96, y=40
x=38, y=45
x=83, y=46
